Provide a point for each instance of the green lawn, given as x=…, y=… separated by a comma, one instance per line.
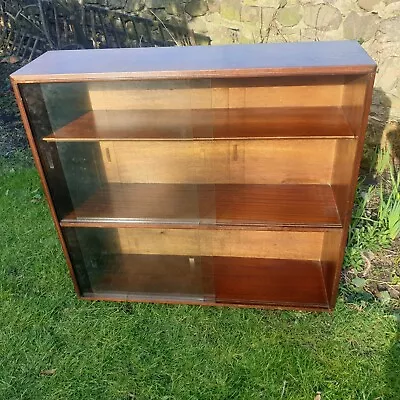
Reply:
x=138, y=351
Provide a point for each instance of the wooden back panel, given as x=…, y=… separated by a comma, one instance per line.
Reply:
x=222, y=161
x=224, y=242
x=229, y=93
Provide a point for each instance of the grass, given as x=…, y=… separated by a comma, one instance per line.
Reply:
x=141, y=351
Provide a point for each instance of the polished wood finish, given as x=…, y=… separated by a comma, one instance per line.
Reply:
x=226, y=205
x=216, y=175
x=325, y=91
x=214, y=279
x=342, y=174
x=252, y=123
x=292, y=161
x=288, y=244
x=269, y=281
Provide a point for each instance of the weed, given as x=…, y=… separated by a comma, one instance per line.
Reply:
x=376, y=215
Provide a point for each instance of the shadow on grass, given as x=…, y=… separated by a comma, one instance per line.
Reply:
x=393, y=366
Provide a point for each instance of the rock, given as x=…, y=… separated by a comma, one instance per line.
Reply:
x=250, y=14
x=173, y=8
x=262, y=3
x=289, y=16
x=155, y=3
x=323, y=17
x=388, y=73
x=230, y=9
x=214, y=6
x=116, y=4
x=198, y=25
x=368, y=5
x=161, y=14
x=390, y=29
x=360, y=27
x=196, y=8
x=267, y=17
x=177, y=20
x=391, y=10
x=134, y=5
x=250, y=33
x=219, y=34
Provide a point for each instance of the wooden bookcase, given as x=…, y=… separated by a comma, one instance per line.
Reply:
x=211, y=175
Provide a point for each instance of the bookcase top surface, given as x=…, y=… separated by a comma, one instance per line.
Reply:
x=229, y=61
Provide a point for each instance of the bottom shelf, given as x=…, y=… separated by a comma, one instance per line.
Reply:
x=153, y=277
x=269, y=281
x=210, y=280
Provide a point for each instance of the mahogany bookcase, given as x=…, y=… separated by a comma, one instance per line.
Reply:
x=218, y=175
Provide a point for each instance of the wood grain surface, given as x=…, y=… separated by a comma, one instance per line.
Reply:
x=219, y=279
x=224, y=161
x=249, y=205
x=249, y=123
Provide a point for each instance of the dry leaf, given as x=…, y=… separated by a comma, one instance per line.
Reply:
x=318, y=396
x=47, y=372
x=10, y=59
x=13, y=59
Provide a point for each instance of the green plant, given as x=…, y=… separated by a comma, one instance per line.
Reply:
x=389, y=207
x=383, y=159
x=376, y=214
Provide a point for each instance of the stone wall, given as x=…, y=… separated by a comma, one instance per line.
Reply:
x=374, y=23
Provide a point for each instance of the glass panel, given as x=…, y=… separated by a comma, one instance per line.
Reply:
x=106, y=261
x=124, y=151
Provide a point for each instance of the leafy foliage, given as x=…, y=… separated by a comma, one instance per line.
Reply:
x=376, y=214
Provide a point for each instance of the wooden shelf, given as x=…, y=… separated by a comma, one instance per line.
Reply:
x=212, y=280
x=269, y=281
x=153, y=276
x=205, y=124
x=224, y=205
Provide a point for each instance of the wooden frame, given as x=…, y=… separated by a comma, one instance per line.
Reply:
x=213, y=175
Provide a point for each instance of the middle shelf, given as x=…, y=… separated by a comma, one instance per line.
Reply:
x=206, y=124
x=288, y=205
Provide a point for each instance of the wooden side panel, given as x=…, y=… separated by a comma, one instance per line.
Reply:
x=205, y=94
x=342, y=173
x=224, y=161
x=227, y=243
x=331, y=261
x=364, y=89
x=353, y=101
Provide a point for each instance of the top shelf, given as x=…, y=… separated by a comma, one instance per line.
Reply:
x=206, y=124
x=188, y=62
